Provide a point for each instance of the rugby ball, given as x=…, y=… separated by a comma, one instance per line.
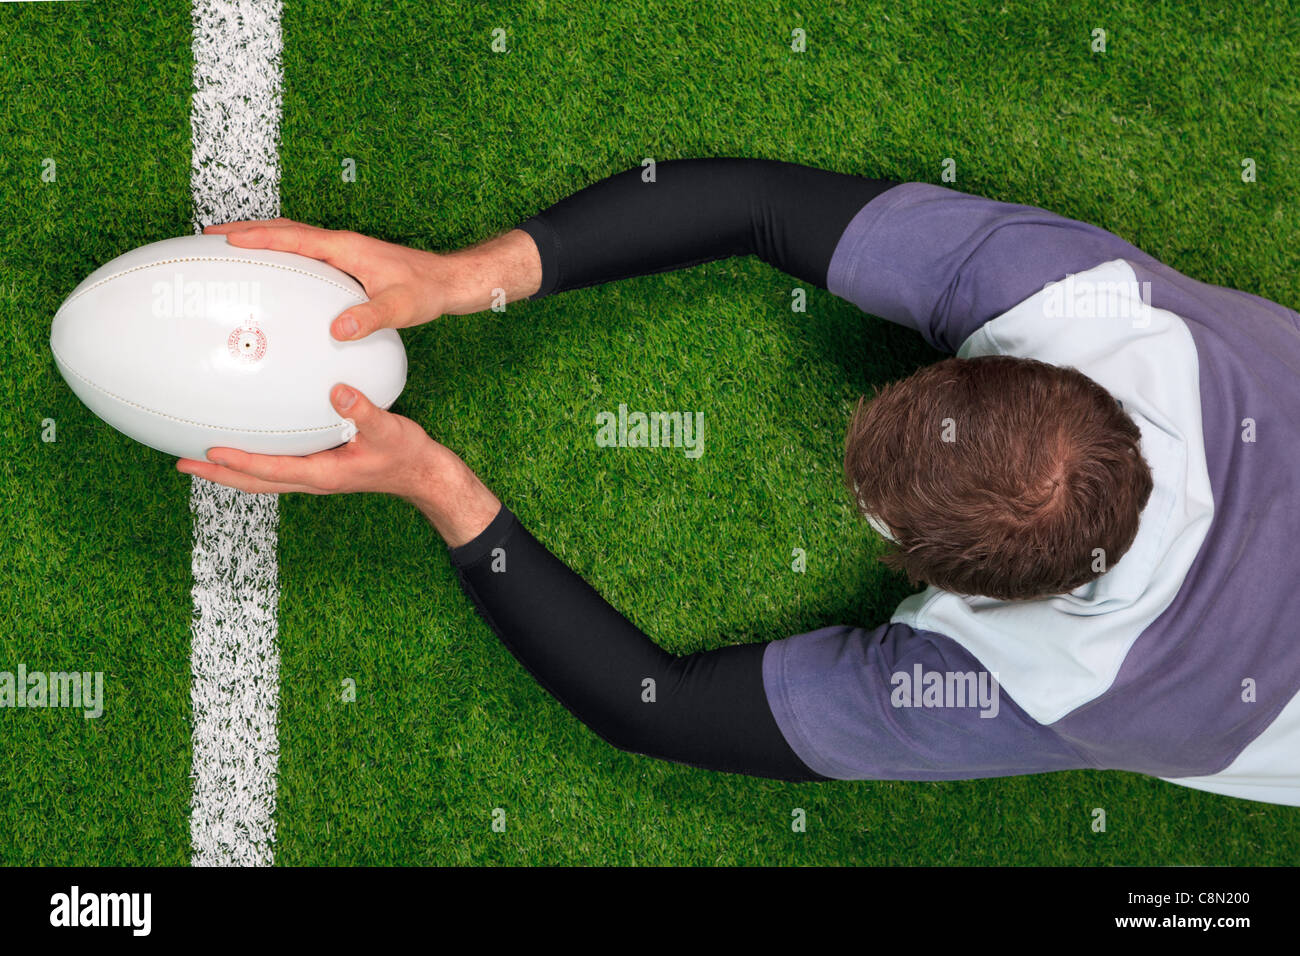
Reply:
x=192, y=343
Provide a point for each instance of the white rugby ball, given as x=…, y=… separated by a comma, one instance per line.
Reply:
x=192, y=343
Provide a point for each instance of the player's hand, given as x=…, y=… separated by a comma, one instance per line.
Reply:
x=406, y=286
x=389, y=453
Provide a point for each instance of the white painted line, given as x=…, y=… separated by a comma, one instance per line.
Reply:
x=235, y=659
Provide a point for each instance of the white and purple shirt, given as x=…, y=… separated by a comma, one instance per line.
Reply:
x=1183, y=660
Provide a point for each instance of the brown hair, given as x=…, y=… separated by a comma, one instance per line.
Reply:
x=999, y=476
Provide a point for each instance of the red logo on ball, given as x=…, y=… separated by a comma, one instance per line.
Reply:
x=247, y=343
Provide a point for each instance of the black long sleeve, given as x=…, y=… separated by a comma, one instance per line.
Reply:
x=698, y=210
x=707, y=709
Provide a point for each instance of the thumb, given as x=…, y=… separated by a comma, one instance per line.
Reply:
x=388, y=310
x=370, y=420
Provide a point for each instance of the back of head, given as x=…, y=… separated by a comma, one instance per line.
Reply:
x=999, y=476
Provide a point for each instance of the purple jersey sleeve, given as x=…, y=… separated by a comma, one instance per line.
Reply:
x=944, y=262
x=895, y=703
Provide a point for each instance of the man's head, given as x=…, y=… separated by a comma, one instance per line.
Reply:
x=999, y=476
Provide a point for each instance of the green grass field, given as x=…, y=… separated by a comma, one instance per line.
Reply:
x=454, y=143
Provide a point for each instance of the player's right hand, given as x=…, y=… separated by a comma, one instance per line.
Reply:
x=406, y=286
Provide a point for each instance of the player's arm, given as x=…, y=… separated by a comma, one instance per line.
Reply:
x=689, y=211
x=707, y=709
x=824, y=705
x=939, y=261
x=927, y=257
x=936, y=260
x=692, y=211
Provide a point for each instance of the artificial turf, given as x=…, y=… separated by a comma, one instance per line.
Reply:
x=453, y=143
x=95, y=531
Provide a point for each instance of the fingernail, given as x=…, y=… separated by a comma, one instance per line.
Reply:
x=216, y=459
x=346, y=398
x=348, y=327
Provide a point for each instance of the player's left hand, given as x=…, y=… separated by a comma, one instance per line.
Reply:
x=389, y=453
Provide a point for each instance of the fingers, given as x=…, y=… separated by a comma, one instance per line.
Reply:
x=235, y=479
x=370, y=420
x=329, y=245
x=310, y=473
x=224, y=228
x=390, y=309
x=321, y=473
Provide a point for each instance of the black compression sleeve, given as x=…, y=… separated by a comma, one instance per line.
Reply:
x=710, y=709
x=698, y=210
